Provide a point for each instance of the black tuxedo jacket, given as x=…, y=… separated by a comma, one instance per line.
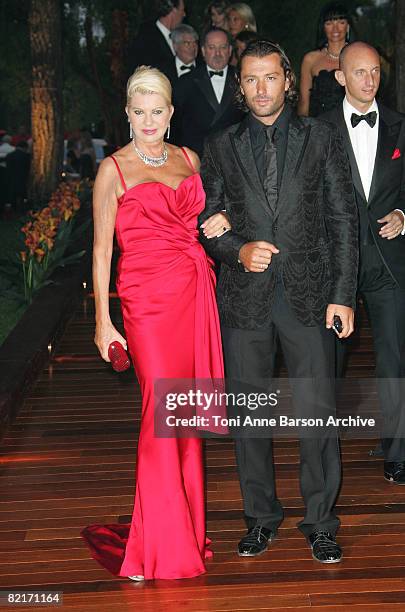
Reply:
x=170, y=70
x=197, y=112
x=387, y=190
x=314, y=225
x=149, y=48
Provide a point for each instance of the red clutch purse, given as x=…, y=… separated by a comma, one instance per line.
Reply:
x=118, y=357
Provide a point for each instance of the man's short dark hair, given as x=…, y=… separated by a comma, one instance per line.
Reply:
x=262, y=48
x=164, y=7
x=210, y=30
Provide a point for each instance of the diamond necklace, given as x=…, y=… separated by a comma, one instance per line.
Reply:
x=151, y=161
x=332, y=55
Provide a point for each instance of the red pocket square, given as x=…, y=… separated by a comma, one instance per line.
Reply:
x=396, y=154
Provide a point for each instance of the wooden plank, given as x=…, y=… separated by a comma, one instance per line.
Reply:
x=69, y=459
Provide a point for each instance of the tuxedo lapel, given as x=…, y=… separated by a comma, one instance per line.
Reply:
x=204, y=83
x=242, y=148
x=341, y=123
x=227, y=96
x=387, y=140
x=298, y=135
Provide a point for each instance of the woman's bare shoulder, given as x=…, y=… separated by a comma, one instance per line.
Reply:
x=195, y=160
x=312, y=57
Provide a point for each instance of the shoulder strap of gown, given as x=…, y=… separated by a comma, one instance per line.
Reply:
x=188, y=160
x=119, y=172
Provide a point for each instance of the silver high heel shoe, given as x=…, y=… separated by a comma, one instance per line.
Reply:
x=137, y=578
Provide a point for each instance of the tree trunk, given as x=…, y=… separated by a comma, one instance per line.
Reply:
x=46, y=97
x=400, y=54
x=119, y=49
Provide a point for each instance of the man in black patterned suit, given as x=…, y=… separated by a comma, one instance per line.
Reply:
x=374, y=138
x=289, y=265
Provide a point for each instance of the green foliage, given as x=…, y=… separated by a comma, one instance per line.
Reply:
x=36, y=273
x=46, y=239
x=12, y=304
x=10, y=313
x=15, y=65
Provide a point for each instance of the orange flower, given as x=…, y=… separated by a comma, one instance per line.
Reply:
x=42, y=227
x=39, y=253
x=23, y=255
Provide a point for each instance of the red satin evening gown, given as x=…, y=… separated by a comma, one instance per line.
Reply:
x=166, y=286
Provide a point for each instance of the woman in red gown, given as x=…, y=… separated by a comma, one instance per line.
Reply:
x=151, y=194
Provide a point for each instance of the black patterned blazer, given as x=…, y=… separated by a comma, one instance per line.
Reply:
x=315, y=225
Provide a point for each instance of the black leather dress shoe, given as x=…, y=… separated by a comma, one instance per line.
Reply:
x=394, y=471
x=255, y=542
x=324, y=547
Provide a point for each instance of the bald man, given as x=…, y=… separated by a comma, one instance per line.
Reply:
x=374, y=138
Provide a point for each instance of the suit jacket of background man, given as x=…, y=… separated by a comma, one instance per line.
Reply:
x=197, y=111
x=387, y=190
x=314, y=225
x=170, y=70
x=149, y=48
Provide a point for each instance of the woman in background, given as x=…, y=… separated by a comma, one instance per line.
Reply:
x=215, y=15
x=241, y=17
x=241, y=42
x=319, y=90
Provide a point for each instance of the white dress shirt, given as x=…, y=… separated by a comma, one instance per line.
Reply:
x=166, y=33
x=179, y=63
x=364, y=139
x=218, y=82
x=5, y=149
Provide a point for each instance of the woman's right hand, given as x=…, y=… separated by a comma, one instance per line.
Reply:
x=216, y=225
x=105, y=334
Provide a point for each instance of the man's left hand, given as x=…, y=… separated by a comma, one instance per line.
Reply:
x=346, y=315
x=394, y=224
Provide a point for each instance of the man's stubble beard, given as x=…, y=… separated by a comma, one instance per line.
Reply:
x=263, y=112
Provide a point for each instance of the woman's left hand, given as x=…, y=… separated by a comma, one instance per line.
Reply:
x=216, y=225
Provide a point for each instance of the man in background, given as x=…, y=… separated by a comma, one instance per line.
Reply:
x=204, y=100
x=153, y=45
x=374, y=139
x=185, y=43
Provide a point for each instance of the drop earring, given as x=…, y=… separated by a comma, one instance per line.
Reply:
x=168, y=132
x=130, y=130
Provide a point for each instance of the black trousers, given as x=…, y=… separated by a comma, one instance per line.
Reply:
x=309, y=354
x=385, y=306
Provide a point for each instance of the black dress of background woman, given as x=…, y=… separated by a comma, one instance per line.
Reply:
x=319, y=90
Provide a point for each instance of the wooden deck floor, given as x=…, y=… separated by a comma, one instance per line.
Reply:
x=68, y=461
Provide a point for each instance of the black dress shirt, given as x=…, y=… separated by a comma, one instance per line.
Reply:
x=258, y=140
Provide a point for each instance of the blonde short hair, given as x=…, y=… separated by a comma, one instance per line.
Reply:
x=148, y=80
x=246, y=13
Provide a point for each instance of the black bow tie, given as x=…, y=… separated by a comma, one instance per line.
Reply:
x=213, y=73
x=184, y=67
x=370, y=118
